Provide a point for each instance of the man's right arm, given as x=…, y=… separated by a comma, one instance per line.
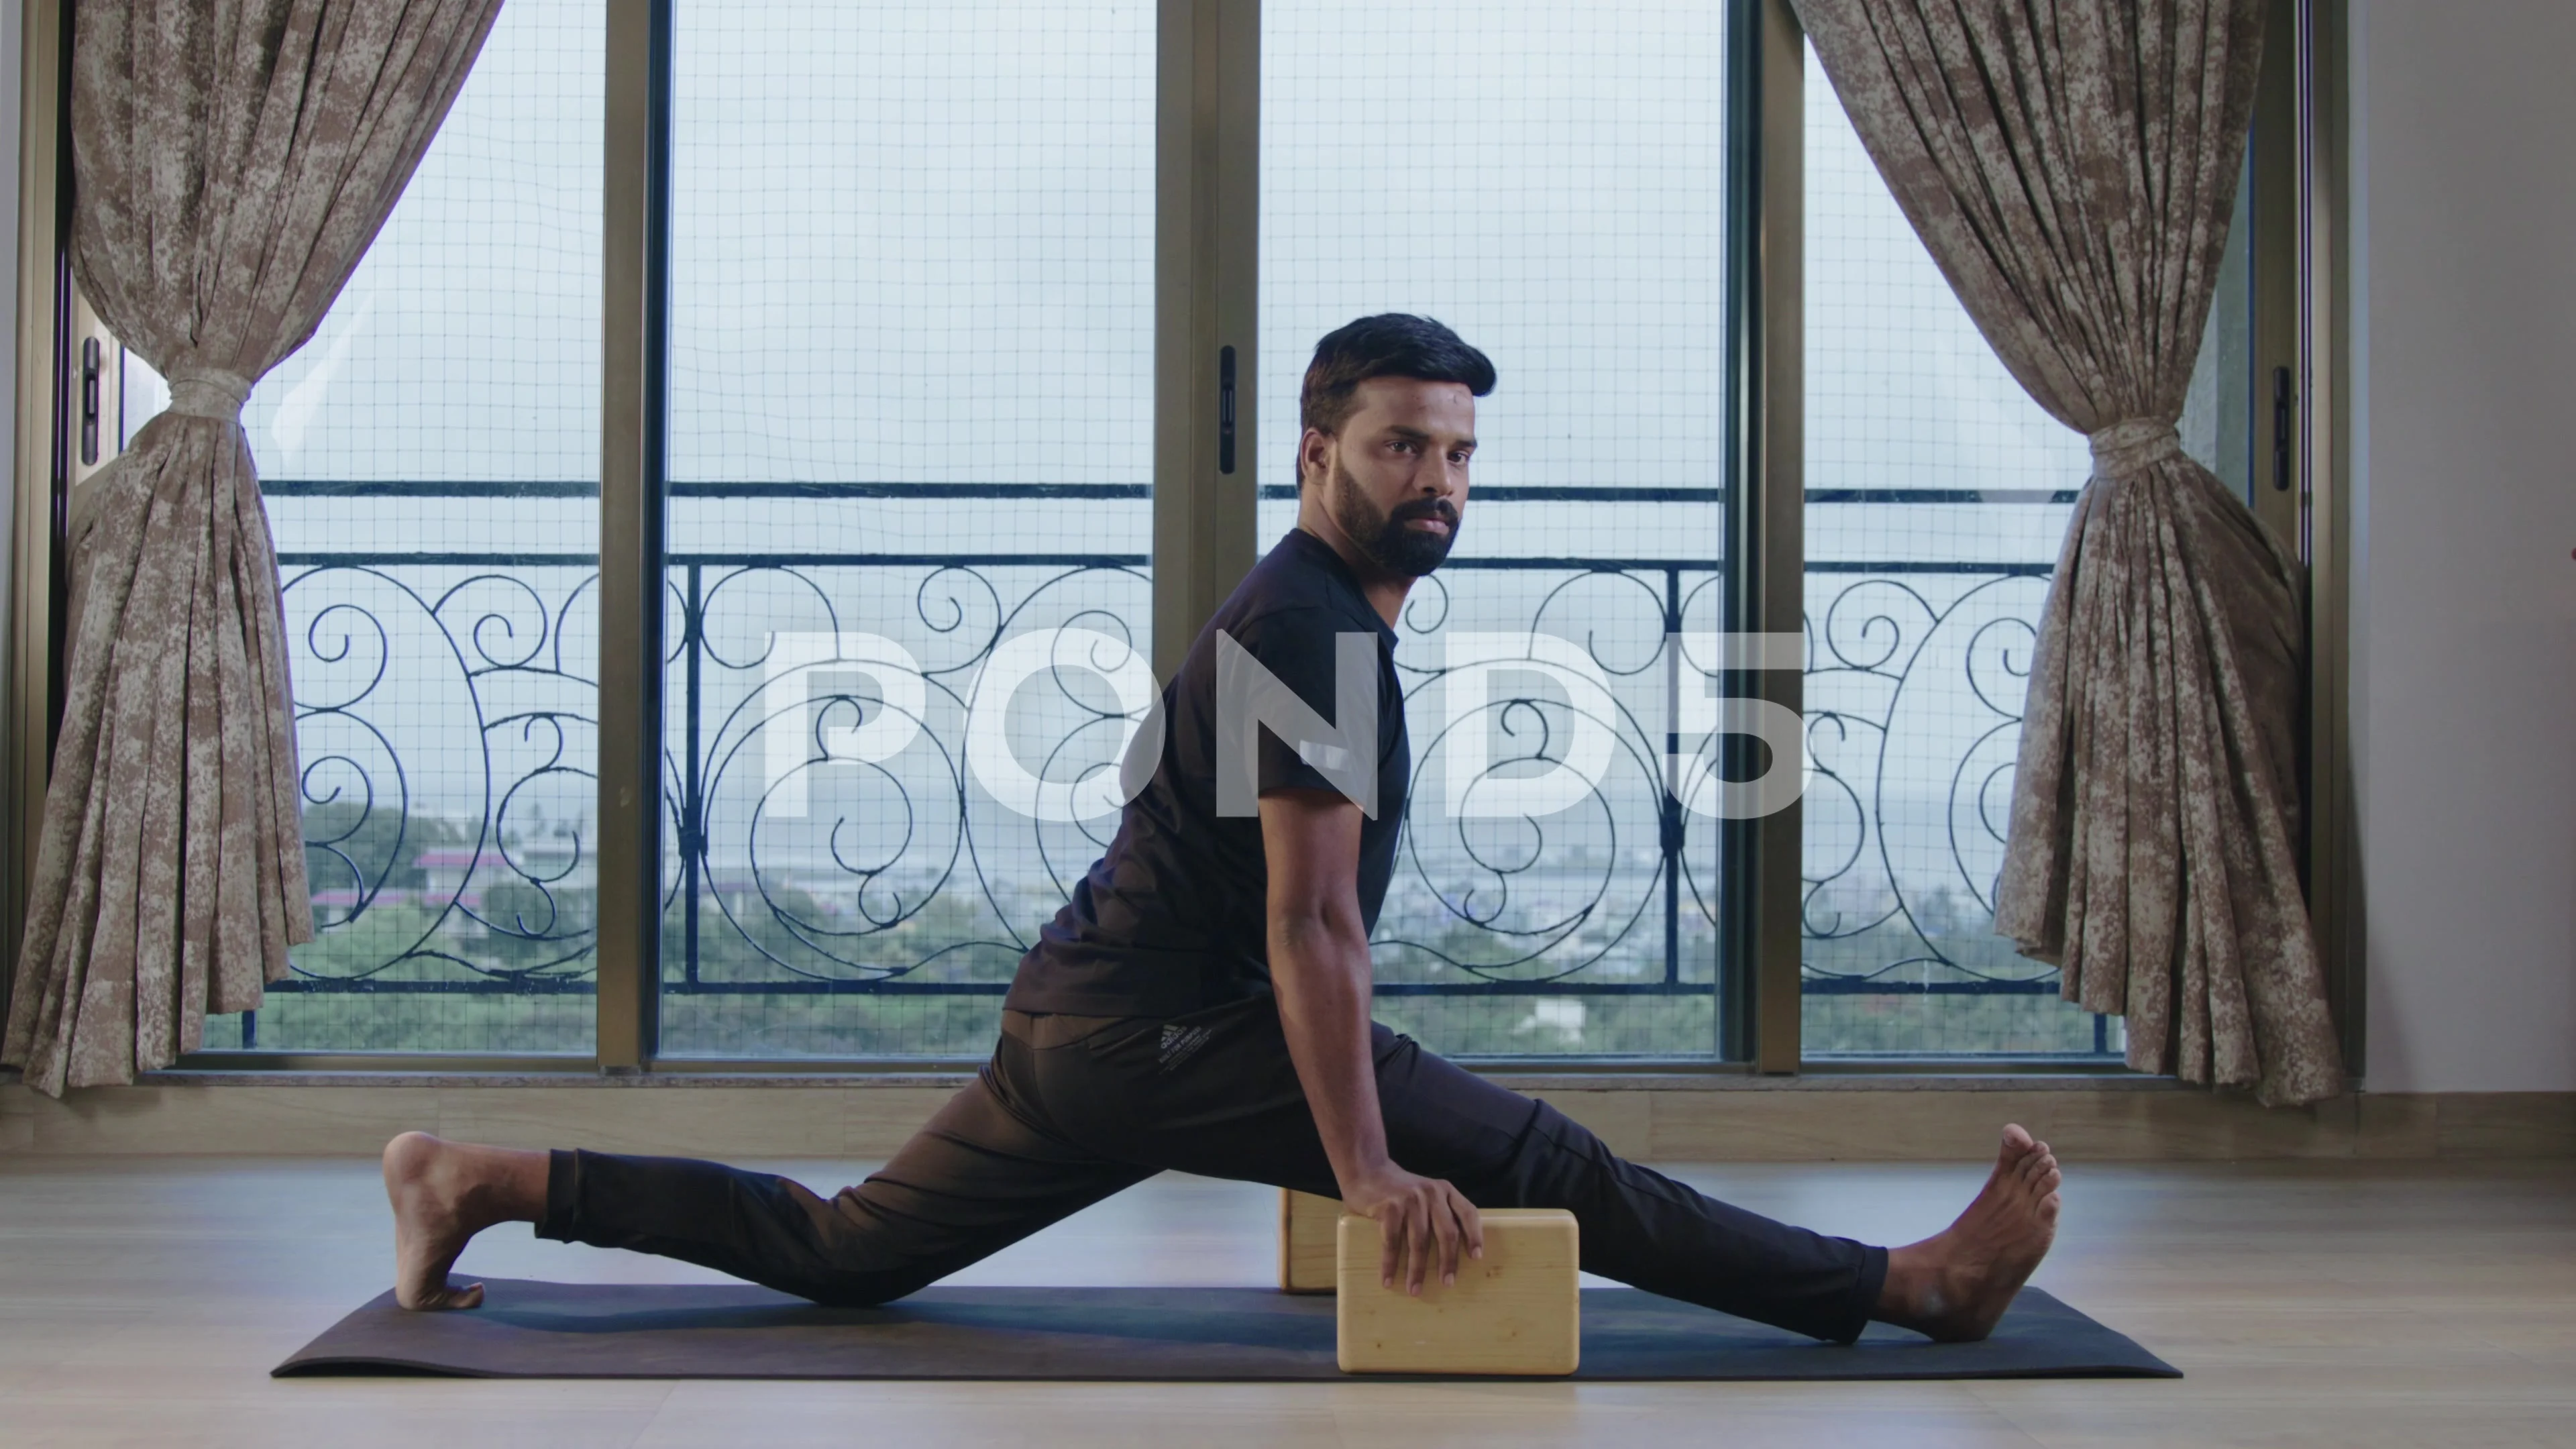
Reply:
x=1319, y=968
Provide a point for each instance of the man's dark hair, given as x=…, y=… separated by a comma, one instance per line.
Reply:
x=1390, y=344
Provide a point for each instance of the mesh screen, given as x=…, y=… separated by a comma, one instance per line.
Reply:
x=1938, y=494
x=911, y=402
x=909, y=579
x=1550, y=181
x=431, y=463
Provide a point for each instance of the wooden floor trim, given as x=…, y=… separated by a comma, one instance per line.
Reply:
x=1868, y=1119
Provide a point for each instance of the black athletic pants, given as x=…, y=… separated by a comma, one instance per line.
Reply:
x=1062, y=1118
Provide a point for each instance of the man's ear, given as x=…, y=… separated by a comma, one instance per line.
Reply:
x=1314, y=453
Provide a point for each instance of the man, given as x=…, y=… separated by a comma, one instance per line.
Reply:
x=1202, y=1001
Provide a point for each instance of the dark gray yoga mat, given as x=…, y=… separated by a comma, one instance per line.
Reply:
x=727, y=1331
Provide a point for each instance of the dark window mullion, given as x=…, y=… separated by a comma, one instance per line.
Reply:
x=634, y=384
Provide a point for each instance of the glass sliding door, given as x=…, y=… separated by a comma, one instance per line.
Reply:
x=912, y=253
x=1549, y=180
x=431, y=464
x=909, y=521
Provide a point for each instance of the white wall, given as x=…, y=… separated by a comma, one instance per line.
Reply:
x=2464, y=644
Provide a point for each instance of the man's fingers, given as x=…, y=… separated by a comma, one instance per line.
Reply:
x=1425, y=1218
x=1444, y=1226
x=1471, y=1225
x=1418, y=1243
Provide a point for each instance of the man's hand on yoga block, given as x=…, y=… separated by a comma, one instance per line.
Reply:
x=1516, y=1311
x=1425, y=1225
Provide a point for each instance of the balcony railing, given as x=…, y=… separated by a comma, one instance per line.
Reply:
x=447, y=707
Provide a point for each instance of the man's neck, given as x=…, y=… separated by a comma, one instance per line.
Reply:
x=1384, y=591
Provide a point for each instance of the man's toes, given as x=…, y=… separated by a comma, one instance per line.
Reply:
x=2017, y=1140
x=2048, y=1209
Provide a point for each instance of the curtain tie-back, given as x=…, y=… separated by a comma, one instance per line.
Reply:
x=2132, y=447
x=209, y=392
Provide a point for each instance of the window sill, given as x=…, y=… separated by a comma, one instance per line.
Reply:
x=862, y=1076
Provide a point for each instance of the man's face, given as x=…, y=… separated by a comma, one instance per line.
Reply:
x=1395, y=477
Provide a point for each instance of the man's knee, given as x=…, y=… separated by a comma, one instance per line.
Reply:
x=837, y=1288
x=845, y=1251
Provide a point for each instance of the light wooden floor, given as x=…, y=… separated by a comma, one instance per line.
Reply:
x=2328, y=1304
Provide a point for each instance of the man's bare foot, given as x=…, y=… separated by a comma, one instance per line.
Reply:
x=443, y=1193
x=1954, y=1286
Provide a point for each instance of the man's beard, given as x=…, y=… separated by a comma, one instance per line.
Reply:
x=1383, y=537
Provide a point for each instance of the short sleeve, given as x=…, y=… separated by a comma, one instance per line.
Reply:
x=1299, y=647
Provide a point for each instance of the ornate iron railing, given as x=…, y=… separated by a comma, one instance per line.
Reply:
x=446, y=707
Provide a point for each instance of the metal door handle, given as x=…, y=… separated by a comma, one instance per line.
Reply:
x=89, y=401
x=2281, y=402
x=1225, y=409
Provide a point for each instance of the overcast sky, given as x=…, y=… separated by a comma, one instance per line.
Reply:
x=913, y=242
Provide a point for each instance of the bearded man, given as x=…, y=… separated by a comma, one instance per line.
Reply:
x=1201, y=1004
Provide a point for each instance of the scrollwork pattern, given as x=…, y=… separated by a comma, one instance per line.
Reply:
x=824, y=825
x=813, y=850
x=1913, y=718
x=447, y=737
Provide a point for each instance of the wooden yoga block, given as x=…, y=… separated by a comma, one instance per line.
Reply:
x=1517, y=1310
x=1306, y=1237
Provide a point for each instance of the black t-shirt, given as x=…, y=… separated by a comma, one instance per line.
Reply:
x=1174, y=917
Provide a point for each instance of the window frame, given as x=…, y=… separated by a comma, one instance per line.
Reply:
x=1206, y=257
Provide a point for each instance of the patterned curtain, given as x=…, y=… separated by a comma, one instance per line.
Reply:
x=2071, y=165
x=232, y=159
